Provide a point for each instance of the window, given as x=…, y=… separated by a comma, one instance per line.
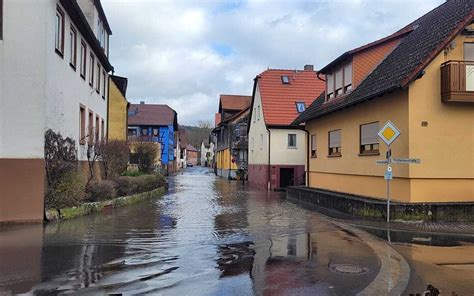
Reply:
x=369, y=141
x=1, y=19
x=91, y=127
x=144, y=131
x=83, y=59
x=285, y=79
x=347, y=77
x=82, y=125
x=102, y=129
x=330, y=86
x=300, y=107
x=335, y=143
x=339, y=82
x=97, y=129
x=291, y=140
x=97, y=86
x=104, y=86
x=72, y=47
x=155, y=132
x=313, y=146
x=91, y=71
x=59, y=36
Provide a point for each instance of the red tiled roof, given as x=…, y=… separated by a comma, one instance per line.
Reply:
x=279, y=100
x=150, y=114
x=234, y=102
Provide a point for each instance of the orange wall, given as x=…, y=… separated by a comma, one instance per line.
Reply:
x=365, y=61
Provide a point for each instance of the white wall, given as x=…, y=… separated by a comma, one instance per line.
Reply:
x=39, y=90
x=66, y=90
x=258, y=149
x=281, y=154
x=22, y=71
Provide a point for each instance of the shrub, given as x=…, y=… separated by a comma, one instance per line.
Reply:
x=114, y=157
x=66, y=191
x=133, y=173
x=99, y=190
x=125, y=186
x=60, y=156
x=146, y=153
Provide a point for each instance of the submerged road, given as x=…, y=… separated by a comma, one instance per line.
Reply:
x=209, y=236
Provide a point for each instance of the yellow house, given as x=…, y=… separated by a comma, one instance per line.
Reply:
x=118, y=108
x=420, y=78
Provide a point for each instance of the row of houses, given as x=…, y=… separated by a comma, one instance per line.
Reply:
x=55, y=74
x=319, y=128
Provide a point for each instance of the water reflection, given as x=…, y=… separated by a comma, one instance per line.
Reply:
x=207, y=236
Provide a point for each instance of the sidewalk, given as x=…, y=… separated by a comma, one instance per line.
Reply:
x=459, y=228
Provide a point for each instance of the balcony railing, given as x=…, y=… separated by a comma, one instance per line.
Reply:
x=457, y=81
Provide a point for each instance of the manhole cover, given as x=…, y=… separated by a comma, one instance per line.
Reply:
x=348, y=269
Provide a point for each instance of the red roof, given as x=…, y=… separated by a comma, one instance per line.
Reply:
x=190, y=147
x=150, y=114
x=279, y=100
x=234, y=102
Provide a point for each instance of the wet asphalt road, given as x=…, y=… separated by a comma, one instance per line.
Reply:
x=209, y=236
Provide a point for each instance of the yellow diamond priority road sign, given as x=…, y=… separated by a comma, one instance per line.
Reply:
x=389, y=133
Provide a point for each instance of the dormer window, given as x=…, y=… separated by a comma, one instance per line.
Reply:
x=285, y=79
x=300, y=107
x=339, y=82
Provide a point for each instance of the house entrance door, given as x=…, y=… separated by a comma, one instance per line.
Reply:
x=287, y=177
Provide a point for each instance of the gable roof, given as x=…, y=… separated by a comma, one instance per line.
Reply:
x=279, y=100
x=427, y=36
x=152, y=114
x=121, y=83
x=234, y=102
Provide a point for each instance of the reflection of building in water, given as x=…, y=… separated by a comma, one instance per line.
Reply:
x=293, y=245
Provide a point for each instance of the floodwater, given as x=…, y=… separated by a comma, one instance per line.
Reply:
x=210, y=236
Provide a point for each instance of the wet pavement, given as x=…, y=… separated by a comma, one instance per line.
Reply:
x=209, y=236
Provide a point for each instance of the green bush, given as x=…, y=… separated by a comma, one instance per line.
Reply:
x=133, y=173
x=99, y=190
x=114, y=157
x=67, y=190
x=125, y=186
x=146, y=153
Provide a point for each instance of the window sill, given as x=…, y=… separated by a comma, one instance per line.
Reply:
x=369, y=154
x=59, y=53
x=97, y=91
x=83, y=77
x=73, y=67
x=291, y=147
x=335, y=155
x=82, y=142
x=314, y=156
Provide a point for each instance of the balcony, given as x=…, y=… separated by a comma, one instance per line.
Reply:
x=457, y=81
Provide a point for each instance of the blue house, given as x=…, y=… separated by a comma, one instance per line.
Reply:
x=156, y=123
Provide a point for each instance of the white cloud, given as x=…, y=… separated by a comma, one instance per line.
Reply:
x=186, y=53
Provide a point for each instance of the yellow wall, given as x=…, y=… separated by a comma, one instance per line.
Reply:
x=224, y=160
x=445, y=146
x=117, y=113
x=352, y=173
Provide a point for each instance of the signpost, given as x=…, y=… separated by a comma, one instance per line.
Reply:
x=389, y=133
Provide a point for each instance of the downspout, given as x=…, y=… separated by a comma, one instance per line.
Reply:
x=230, y=154
x=269, y=186
x=307, y=157
x=108, y=103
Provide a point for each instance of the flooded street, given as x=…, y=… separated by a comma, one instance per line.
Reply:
x=209, y=236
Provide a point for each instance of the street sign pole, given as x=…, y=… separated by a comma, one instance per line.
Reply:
x=389, y=169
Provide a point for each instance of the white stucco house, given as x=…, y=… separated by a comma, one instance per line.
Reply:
x=207, y=153
x=54, y=71
x=277, y=149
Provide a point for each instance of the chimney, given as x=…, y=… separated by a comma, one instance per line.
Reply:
x=308, y=67
x=142, y=102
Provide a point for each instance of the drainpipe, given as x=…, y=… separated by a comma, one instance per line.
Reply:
x=269, y=184
x=308, y=147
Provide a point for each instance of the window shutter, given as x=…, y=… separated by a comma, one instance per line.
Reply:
x=335, y=139
x=330, y=84
x=348, y=74
x=339, y=79
x=368, y=133
x=313, y=142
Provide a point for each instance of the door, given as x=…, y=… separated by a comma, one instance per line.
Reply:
x=287, y=177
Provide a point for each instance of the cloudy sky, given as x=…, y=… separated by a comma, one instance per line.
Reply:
x=186, y=53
